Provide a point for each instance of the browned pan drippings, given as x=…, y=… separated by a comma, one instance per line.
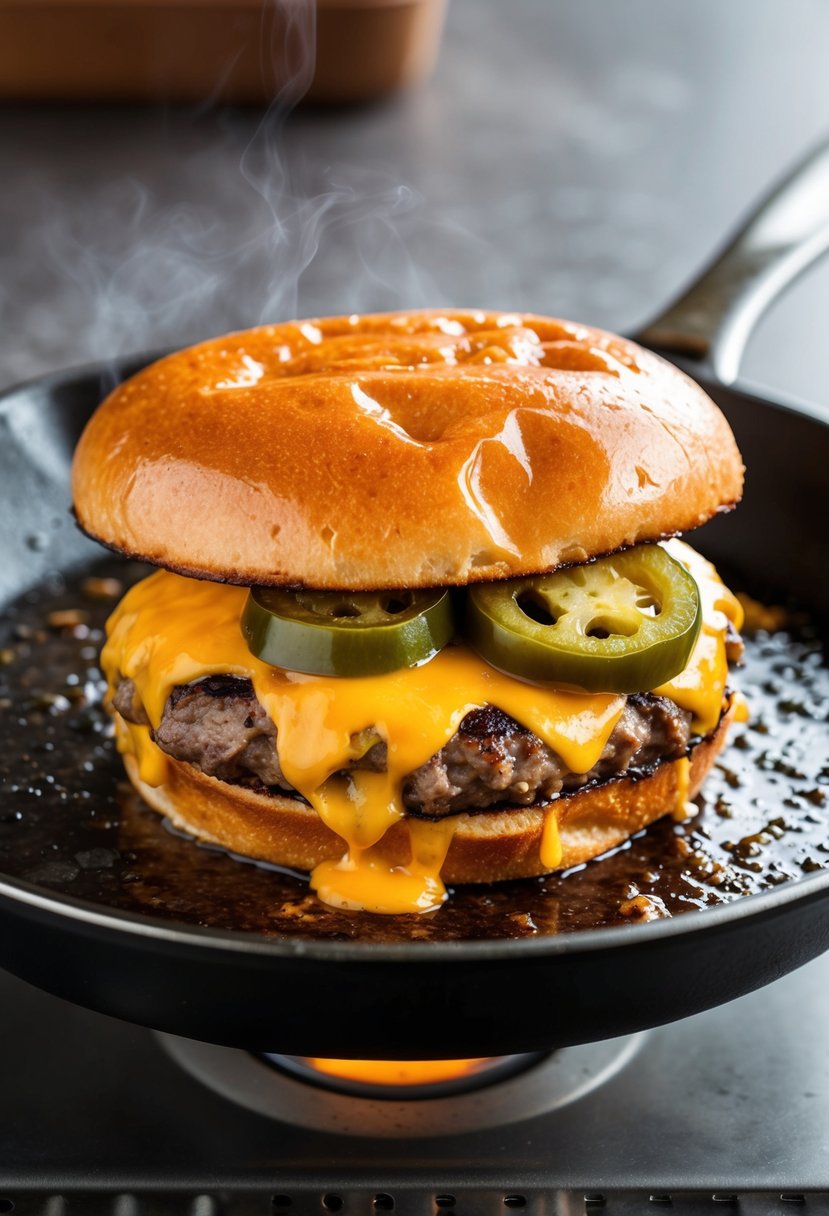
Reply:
x=69, y=823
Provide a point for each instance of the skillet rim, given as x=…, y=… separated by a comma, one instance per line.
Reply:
x=589, y=941
x=113, y=922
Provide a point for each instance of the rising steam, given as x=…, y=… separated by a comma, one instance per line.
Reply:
x=236, y=219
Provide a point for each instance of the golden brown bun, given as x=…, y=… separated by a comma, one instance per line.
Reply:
x=408, y=449
x=486, y=847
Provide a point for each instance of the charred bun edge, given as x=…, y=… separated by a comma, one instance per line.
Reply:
x=487, y=847
x=249, y=579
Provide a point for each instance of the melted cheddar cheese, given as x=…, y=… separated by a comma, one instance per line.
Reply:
x=700, y=686
x=170, y=630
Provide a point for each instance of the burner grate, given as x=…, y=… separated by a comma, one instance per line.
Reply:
x=308, y=1200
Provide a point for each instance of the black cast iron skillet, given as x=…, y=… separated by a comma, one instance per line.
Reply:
x=425, y=999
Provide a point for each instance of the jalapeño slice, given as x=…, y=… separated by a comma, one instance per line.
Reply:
x=346, y=633
x=626, y=623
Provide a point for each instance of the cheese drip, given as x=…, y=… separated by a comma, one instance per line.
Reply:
x=364, y=883
x=700, y=686
x=683, y=807
x=170, y=630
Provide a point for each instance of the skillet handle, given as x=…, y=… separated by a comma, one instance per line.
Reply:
x=780, y=239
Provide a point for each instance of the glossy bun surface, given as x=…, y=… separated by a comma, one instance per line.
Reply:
x=402, y=449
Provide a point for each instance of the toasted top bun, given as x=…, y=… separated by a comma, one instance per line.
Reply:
x=403, y=449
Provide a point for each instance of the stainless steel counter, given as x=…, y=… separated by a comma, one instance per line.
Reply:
x=728, y=1103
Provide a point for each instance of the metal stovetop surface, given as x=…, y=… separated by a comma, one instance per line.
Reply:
x=733, y=1102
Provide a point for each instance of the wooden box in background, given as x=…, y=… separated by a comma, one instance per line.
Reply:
x=220, y=50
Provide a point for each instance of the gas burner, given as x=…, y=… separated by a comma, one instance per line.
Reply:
x=402, y=1098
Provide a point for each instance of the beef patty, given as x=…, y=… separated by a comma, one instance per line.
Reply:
x=218, y=725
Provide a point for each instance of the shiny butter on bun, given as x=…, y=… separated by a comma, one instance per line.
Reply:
x=471, y=651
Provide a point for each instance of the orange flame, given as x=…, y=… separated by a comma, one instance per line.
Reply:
x=398, y=1072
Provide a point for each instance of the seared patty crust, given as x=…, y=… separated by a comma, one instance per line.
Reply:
x=218, y=725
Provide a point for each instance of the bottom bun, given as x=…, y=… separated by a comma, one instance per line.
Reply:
x=489, y=846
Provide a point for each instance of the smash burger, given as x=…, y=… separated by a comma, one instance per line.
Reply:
x=416, y=620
